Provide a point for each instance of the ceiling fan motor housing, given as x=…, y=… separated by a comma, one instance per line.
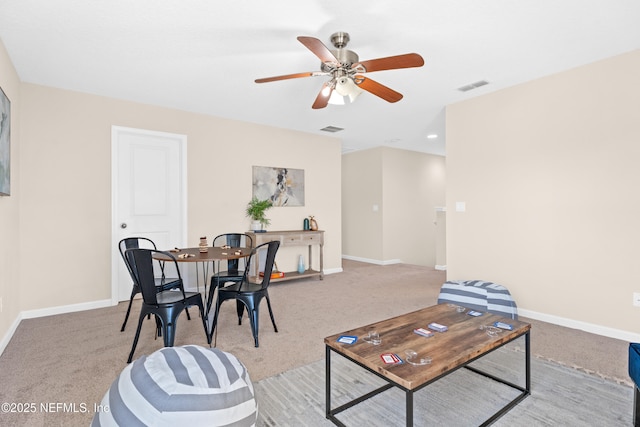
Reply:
x=346, y=57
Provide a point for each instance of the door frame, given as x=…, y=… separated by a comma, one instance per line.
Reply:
x=116, y=259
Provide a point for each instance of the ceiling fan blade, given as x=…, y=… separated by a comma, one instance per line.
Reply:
x=285, y=77
x=408, y=60
x=378, y=89
x=318, y=49
x=323, y=97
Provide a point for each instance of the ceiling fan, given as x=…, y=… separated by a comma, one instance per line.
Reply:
x=346, y=70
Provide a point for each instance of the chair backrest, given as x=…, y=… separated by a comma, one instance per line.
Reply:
x=271, y=249
x=141, y=262
x=134, y=243
x=235, y=240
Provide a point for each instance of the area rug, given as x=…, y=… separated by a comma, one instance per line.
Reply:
x=561, y=396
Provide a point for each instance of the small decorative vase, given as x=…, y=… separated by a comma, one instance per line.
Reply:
x=256, y=226
x=313, y=223
x=300, y=264
x=204, y=246
x=305, y=224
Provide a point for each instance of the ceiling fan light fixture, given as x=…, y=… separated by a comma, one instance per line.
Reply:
x=353, y=96
x=336, y=98
x=345, y=86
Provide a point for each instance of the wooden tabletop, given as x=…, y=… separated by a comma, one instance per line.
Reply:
x=214, y=253
x=462, y=342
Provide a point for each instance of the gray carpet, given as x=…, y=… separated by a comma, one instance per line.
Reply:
x=74, y=357
x=561, y=396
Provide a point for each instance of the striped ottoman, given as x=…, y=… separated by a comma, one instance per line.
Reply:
x=479, y=295
x=181, y=386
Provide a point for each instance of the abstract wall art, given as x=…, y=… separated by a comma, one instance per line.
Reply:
x=5, y=144
x=283, y=186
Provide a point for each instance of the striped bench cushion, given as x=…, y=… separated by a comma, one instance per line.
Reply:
x=479, y=295
x=181, y=386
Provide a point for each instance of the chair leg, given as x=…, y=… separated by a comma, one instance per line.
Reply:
x=253, y=316
x=240, y=311
x=275, y=328
x=135, y=339
x=169, y=333
x=170, y=325
x=126, y=316
x=204, y=323
x=158, y=326
x=215, y=322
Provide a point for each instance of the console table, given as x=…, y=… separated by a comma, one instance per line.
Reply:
x=294, y=238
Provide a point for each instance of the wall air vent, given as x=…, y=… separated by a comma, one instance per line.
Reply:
x=332, y=129
x=472, y=86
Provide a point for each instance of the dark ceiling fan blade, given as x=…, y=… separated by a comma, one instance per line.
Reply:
x=318, y=49
x=408, y=60
x=285, y=77
x=378, y=89
x=323, y=97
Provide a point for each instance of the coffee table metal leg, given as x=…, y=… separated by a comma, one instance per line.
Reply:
x=327, y=379
x=331, y=413
x=409, y=408
x=527, y=345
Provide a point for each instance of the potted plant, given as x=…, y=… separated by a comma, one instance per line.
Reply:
x=256, y=211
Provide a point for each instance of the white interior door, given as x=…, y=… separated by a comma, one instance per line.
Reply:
x=148, y=194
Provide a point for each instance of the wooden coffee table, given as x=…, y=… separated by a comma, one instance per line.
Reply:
x=460, y=345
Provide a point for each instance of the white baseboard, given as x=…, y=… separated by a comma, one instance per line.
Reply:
x=372, y=261
x=441, y=267
x=32, y=314
x=583, y=326
x=7, y=337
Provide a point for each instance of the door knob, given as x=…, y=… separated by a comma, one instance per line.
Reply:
x=123, y=225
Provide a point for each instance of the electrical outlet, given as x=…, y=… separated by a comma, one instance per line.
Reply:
x=636, y=299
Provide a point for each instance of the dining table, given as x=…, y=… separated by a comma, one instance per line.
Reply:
x=207, y=261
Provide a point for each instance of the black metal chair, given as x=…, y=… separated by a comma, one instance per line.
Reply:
x=249, y=294
x=162, y=283
x=235, y=267
x=165, y=305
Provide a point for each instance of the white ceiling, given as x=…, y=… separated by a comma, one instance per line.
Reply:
x=203, y=55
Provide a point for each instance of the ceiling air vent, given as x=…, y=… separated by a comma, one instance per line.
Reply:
x=474, y=85
x=332, y=129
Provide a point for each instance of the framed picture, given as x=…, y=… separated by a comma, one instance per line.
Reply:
x=5, y=144
x=283, y=186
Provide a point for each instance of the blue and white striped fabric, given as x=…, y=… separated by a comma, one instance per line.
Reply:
x=181, y=386
x=480, y=296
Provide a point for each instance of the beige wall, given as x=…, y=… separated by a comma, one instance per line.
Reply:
x=66, y=202
x=10, y=206
x=407, y=186
x=56, y=228
x=361, y=189
x=549, y=173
